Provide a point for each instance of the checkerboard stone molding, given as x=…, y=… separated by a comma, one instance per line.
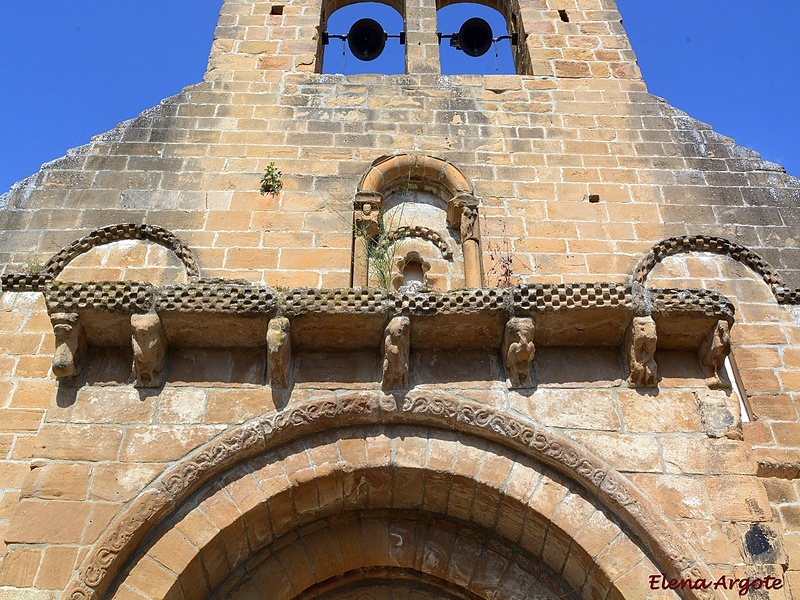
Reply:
x=716, y=245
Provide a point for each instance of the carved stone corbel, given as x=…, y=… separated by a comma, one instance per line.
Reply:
x=149, y=349
x=70, y=348
x=279, y=353
x=519, y=351
x=640, y=348
x=396, y=346
x=713, y=351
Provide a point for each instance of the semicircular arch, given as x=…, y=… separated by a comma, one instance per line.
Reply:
x=714, y=245
x=305, y=516
x=390, y=173
x=123, y=231
x=659, y=537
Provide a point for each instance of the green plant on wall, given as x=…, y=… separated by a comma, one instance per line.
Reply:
x=271, y=180
x=382, y=249
x=381, y=241
x=33, y=267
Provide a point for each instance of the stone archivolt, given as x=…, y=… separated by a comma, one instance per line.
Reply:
x=424, y=233
x=436, y=175
x=171, y=492
x=116, y=233
x=716, y=245
x=21, y=282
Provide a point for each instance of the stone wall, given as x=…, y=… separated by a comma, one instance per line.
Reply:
x=107, y=486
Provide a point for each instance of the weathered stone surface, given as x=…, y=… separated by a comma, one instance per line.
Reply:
x=120, y=482
x=56, y=481
x=578, y=368
x=720, y=414
x=574, y=409
x=738, y=499
x=587, y=201
x=40, y=521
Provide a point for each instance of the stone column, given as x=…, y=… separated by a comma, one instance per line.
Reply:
x=366, y=225
x=470, y=246
x=422, y=43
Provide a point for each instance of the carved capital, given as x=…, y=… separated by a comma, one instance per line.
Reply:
x=396, y=350
x=149, y=349
x=70, y=348
x=640, y=348
x=279, y=353
x=455, y=208
x=367, y=209
x=519, y=351
x=470, y=229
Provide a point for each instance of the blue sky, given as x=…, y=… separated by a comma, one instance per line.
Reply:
x=76, y=68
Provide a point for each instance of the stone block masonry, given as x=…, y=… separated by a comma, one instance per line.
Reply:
x=233, y=412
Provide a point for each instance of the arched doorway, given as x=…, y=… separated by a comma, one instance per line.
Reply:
x=367, y=491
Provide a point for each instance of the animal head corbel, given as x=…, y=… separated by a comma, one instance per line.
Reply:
x=70, y=346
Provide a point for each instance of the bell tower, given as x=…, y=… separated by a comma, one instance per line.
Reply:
x=573, y=40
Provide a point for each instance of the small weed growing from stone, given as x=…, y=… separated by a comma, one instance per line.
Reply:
x=503, y=262
x=271, y=180
x=33, y=267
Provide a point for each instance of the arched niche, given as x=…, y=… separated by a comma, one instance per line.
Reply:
x=424, y=200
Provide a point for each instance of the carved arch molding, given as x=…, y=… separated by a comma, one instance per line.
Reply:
x=115, y=233
x=426, y=173
x=330, y=501
x=716, y=245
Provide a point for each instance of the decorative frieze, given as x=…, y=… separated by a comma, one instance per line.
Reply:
x=237, y=314
x=709, y=303
x=25, y=282
x=486, y=300
x=551, y=296
x=216, y=296
x=103, y=296
x=302, y=301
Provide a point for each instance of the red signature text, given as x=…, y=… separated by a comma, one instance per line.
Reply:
x=742, y=585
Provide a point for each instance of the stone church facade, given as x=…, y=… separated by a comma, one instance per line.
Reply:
x=495, y=336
